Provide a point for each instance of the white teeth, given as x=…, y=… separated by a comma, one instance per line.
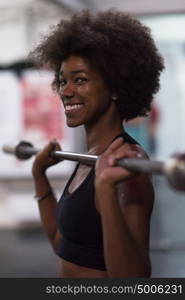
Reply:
x=73, y=106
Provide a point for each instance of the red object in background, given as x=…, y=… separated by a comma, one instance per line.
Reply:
x=154, y=114
x=42, y=109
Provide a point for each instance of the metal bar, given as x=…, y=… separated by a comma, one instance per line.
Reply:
x=72, y=156
x=25, y=150
x=173, y=169
x=142, y=165
x=133, y=164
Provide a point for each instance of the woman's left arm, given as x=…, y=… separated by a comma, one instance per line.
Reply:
x=125, y=202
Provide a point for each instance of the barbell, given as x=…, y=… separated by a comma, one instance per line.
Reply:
x=173, y=168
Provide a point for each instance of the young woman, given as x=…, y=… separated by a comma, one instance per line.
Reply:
x=107, y=70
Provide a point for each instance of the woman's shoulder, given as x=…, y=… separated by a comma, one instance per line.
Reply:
x=134, y=145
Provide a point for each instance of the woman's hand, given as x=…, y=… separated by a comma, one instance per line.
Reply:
x=108, y=174
x=43, y=159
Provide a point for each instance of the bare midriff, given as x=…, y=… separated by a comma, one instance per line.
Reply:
x=70, y=270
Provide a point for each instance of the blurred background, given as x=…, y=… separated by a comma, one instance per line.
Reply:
x=30, y=111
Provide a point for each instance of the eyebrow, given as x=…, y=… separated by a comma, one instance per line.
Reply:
x=74, y=72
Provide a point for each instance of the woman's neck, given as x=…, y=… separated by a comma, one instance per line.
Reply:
x=100, y=135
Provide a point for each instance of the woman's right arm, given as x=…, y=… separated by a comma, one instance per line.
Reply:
x=47, y=205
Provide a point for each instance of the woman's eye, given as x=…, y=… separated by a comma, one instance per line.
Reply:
x=80, y=80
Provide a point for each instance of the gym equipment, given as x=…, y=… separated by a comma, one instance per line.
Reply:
x=173, y=169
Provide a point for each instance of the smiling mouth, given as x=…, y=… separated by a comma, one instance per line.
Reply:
x=73, y=107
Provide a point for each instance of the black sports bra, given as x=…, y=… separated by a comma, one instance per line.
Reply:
x=80, y=223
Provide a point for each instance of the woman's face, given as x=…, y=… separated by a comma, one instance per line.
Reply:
x=83, y=92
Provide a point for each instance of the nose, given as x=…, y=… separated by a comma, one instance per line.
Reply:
x=67, y=90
